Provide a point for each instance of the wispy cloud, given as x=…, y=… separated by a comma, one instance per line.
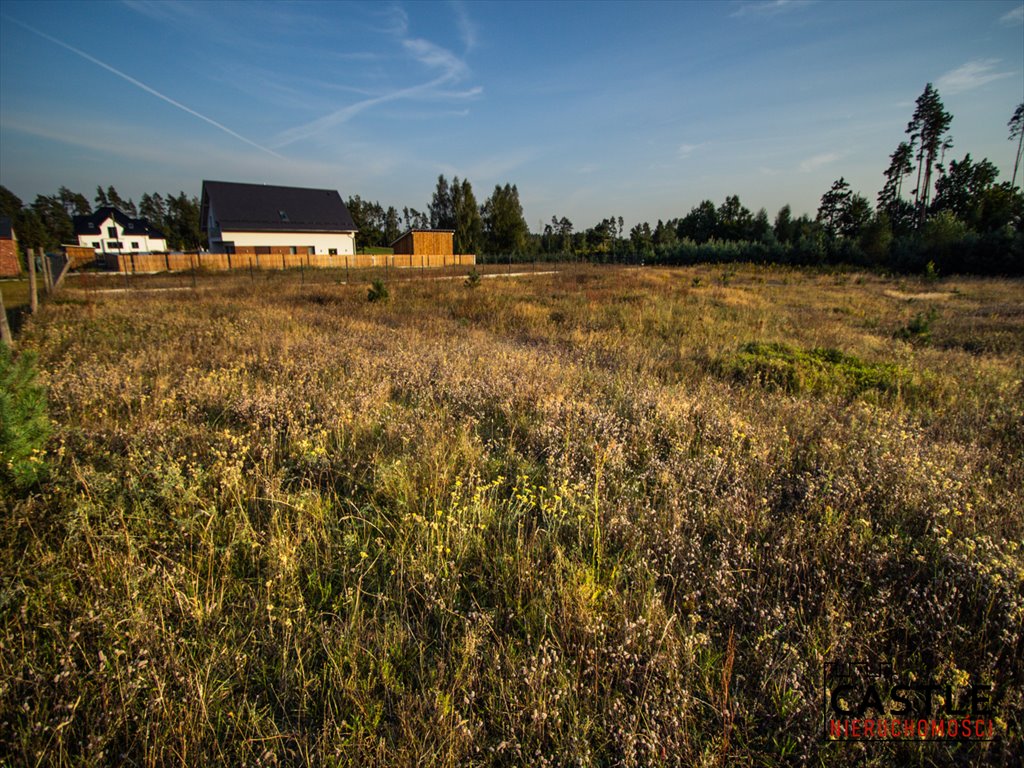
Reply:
x=1013, y=18
x=685, y=150
x=143, y=86
x=166, y=10
x=818, y=161
x=468, y=31
x=494, y=167
x=971, y=75
x=450, y=69
x=769, y=8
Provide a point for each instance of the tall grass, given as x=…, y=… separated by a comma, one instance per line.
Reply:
x=554, y=521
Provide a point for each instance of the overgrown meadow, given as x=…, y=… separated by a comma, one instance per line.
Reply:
x=613, y=517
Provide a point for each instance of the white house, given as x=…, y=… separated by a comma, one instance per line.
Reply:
x=108, y=230
x=264, y=219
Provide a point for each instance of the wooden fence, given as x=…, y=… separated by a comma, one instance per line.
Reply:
x=177, y=262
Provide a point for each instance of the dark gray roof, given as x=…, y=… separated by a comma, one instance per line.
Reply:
x=265, y=208
x=91, y=223
x=6, y=229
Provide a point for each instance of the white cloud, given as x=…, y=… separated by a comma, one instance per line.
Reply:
x=494, y=167
x=817, y=161
x=1013, y=18
x=467, y=29
x=685, y=150
x=450, y=69
x=769, y=8
x=971, y=75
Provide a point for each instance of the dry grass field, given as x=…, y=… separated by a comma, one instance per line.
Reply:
x=608, y=517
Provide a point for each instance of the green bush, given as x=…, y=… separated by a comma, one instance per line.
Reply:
x=919, y=329
x=24, y=426
x=473, y=279
x=378, y=291
x=816, y=371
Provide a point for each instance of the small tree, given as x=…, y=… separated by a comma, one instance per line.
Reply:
x=377, y=292
x=24, y=426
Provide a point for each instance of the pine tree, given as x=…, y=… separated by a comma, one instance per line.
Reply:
x=928, y=126
x=468, y=224
x=1016, y=126
x=441, y=208
x=503, y=221
x=900, y=165
x=834, y=203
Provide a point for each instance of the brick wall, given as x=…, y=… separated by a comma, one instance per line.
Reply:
x=10, y=261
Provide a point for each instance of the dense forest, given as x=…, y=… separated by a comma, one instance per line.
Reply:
x=955, y=216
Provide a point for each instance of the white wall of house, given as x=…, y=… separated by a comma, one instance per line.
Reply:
x=322, y=242
x=122, y=243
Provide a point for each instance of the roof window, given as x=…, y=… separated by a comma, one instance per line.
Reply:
x=284, y=216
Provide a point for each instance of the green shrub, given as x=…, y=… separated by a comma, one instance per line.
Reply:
x=473, y=279
x=816, y=371
x=378, y=291
x=919, y=329
x=24, y=426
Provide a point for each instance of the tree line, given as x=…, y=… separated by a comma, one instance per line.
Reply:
x=496, y=226
x=49, y=221
x=956, y=215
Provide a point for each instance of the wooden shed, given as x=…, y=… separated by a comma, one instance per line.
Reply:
x=431, y=242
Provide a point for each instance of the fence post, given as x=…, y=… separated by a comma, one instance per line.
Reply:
x=5, y=329
x=193, y=263
x=33, y=296
x=47, y=276
x=346, y=268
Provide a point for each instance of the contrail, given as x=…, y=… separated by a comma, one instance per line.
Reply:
x=143, y=86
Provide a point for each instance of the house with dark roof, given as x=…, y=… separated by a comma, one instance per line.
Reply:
x=264, y=219
x=10, y=264
x=110, y=230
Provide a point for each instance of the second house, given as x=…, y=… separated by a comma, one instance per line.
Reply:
x=262, y=219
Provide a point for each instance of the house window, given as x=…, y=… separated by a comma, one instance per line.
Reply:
x=310, y=250
x=293, y=250
x=135, y=246
x=112, y=233
x=95, y=245
x=332, y=251
x=114, y=245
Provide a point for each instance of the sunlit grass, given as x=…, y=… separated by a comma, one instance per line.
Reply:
x=572, y=519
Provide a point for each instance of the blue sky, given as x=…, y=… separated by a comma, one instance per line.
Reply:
x=634, y=110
